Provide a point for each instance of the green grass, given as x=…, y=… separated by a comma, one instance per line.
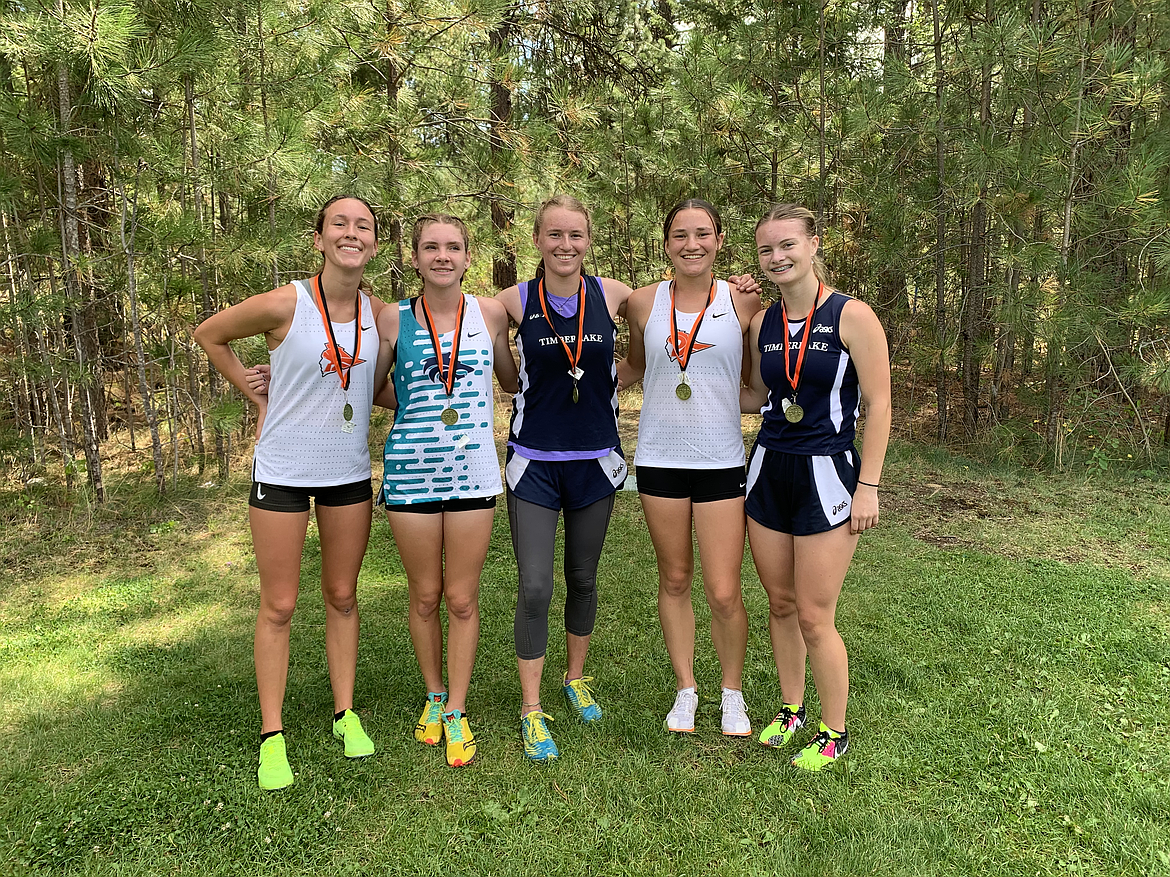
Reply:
x=1009, y=637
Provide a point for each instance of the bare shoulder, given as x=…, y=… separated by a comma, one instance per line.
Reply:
x=510, y=300
x=494, y=312
x=747, y=304
x=857, y=315
x=641, y=303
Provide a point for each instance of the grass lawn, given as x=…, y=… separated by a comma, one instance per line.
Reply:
x=1009, y=637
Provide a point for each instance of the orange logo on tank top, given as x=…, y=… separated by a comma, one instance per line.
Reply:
x=329, y=365
x=684, y=338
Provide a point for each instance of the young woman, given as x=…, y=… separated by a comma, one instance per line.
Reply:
x=816, y=356
x=442, y=474
x=314, y=422
x=686, y=344
x=563, y=453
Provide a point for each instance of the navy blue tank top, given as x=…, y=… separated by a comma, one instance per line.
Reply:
x=829, y=393
x=544, y=415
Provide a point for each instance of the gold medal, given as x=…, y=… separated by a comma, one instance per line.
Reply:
x=576, y=395
x=683, y=390
x=449, y=416
x=793, y=413
x=347, y=412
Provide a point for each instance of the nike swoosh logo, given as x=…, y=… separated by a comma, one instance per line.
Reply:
x=744, y=484
x=717, y=316
x=259, y=492
x=473, y=334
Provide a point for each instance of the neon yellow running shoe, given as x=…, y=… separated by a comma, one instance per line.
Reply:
x=460, y=740
x=579, y=696
x=538, y=743
x=429, y=729
x=826, y=747
x=349, y=729
x=274, y=772
x=788, y=721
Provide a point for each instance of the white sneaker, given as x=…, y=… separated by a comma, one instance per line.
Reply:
x=681, y=717
x=735, y=718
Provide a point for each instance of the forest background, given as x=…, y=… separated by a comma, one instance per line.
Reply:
x=991, y=178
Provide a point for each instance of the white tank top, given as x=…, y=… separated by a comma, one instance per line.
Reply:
x=302, y=443
x=702, y=432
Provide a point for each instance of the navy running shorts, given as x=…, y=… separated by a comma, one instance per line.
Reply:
x=799, y=494
x=565, y=484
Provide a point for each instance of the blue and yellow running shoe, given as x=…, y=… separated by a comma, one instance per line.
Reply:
x=579, y=696
x=538, y=743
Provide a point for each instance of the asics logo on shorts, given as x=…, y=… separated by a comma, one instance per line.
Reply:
x=839, y=507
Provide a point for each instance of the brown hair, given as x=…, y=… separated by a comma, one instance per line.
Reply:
x=319, y=225
x=692, y=204
x=428, y=219
x=780, y=212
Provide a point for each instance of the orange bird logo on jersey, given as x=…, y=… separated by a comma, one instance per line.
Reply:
x=329, y=364
x=684, y=338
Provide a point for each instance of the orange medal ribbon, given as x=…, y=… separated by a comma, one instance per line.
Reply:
x=684, y=356
x=343, y=371
x=574, y=356
x=794, y=376
x=448, y=379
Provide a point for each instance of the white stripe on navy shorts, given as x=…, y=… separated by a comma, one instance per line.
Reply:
x=800, y=494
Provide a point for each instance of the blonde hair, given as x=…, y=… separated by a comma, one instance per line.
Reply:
x=568, y=202
x=780, y=212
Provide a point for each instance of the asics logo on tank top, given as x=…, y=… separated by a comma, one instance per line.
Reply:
x=821, y=329
x=329, y=364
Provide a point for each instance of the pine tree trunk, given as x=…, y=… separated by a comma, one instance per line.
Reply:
x=503, y=264
x=940, y=242
x=71, y=252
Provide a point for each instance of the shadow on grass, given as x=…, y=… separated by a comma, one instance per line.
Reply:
x=981, y=688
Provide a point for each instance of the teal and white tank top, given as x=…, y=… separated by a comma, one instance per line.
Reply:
x=425, y=459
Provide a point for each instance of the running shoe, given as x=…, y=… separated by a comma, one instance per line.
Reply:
x=681, y=717
x=538, y=743
x=788, y=721
x=826, y=747
x=460, y=740
x=349, y=729
x=274, y=772
x=580, y=699
x=429, y=729
x=735, y=718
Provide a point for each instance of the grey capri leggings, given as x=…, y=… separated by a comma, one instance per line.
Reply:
x=534, y=530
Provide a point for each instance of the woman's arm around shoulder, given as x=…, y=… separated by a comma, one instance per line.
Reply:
x=269, y=314
x=753, y=397
x=387, y=322
x=631, y=369
x=863, y=336
x=495, y=314
x=617, y=295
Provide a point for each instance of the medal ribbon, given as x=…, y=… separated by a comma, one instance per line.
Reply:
x=448, y=379
x=683, y=357
x=794, y=377
x=574, y=358
x=323, y=308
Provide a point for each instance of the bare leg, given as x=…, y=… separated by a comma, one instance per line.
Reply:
x=419, y=539
x=719, y=527
x=530, y=673
x=278, y=539
x=466, y=536
x=669, y=522
x=773, y=555
x=821, y=562
x=345, y=533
